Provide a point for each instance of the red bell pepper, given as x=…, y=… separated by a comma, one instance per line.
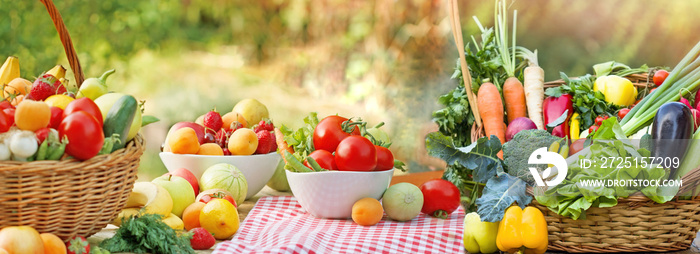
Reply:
x=553, y=108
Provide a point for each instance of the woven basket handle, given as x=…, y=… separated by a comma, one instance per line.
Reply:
x=65, y=40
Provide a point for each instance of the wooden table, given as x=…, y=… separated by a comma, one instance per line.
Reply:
x=244, y=209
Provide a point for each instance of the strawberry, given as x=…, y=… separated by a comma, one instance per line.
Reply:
x=266, y=142
x=77, y=245
x=212, y=121
x=201, y=239
x=264, y=125
x=45, y=86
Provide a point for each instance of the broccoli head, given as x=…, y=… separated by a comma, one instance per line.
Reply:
x=517, y=151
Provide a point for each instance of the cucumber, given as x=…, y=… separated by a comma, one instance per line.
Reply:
x=119, y=118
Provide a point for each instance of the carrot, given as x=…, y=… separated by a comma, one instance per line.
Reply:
x=514, y=97
x=491, y=111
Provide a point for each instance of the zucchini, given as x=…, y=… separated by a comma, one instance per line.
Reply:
x=119, y=118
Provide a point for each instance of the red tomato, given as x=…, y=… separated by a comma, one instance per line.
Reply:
x=5, y=104
x=440, y=198
x=356, y=153
x=324, y=159
x=660, y=76
x=10, y=116
x=84, y=104
x=210, y=196
x=385, y=159
x=592, y=129
x=56, y=117
x=42, y=134
x=6, y=121
x=623, y=112
x=329, y=132
x=84, y=132
x=576, y=146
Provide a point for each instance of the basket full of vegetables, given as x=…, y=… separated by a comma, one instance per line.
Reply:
x=608, y=159
x=69, y=156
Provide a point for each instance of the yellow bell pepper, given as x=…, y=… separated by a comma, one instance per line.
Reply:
x=522, y=231
x=479, y=236
x=617, y=90
x=574, y=127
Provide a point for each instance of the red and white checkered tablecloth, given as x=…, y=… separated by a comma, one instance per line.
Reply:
x=280, y=225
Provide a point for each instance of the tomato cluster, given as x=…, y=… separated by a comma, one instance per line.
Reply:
x=340, y=146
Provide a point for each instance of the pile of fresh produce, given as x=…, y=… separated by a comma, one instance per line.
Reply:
x=172, y=204
x=589, y=117
x=245, y=130
x=49, y=120
x=336, y=143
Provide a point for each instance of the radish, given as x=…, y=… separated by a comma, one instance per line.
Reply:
x=697, y=99
x=685, y=101
x=696, y=117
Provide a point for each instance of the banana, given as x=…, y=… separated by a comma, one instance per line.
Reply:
x=57, y=71
x=9, y=70
x=174, y=222
x=125, y=214
x=154, y=198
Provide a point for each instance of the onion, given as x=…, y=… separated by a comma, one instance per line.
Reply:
x=517, y=125
x=402, y=201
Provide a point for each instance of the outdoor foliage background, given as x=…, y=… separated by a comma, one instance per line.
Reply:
x=384, y=60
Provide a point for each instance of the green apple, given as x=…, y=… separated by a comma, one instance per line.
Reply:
x=180, y=191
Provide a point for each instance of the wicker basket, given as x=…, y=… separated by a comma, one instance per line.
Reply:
x=68, y=197
x=635, y=224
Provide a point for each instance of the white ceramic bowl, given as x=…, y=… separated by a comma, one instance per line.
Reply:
x=257, y=169
x=331, y=194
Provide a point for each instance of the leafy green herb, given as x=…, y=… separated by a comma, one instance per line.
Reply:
x=618, y=69
x=302, y=140
x=587, y=102
x=456, y=119
x=146, y=233
x=500, y=193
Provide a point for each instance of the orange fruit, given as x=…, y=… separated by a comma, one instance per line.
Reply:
x=231, y=117
x=190, y=216
x=210, y=149
x=243, y=142
x=18, y=86
x=53, y=244
x=183, y=141
x=32, y=115
x=220, y=218
x=367, y=212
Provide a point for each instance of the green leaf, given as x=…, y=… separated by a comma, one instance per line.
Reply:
x=481, y=156
x=500, y=193
x=148, y=119
x=610, y=129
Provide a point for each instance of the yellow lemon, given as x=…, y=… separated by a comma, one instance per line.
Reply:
x=58, y=100
x=220, y=218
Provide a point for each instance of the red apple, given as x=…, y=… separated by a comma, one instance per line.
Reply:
x=198, y=129
x=184, y=173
